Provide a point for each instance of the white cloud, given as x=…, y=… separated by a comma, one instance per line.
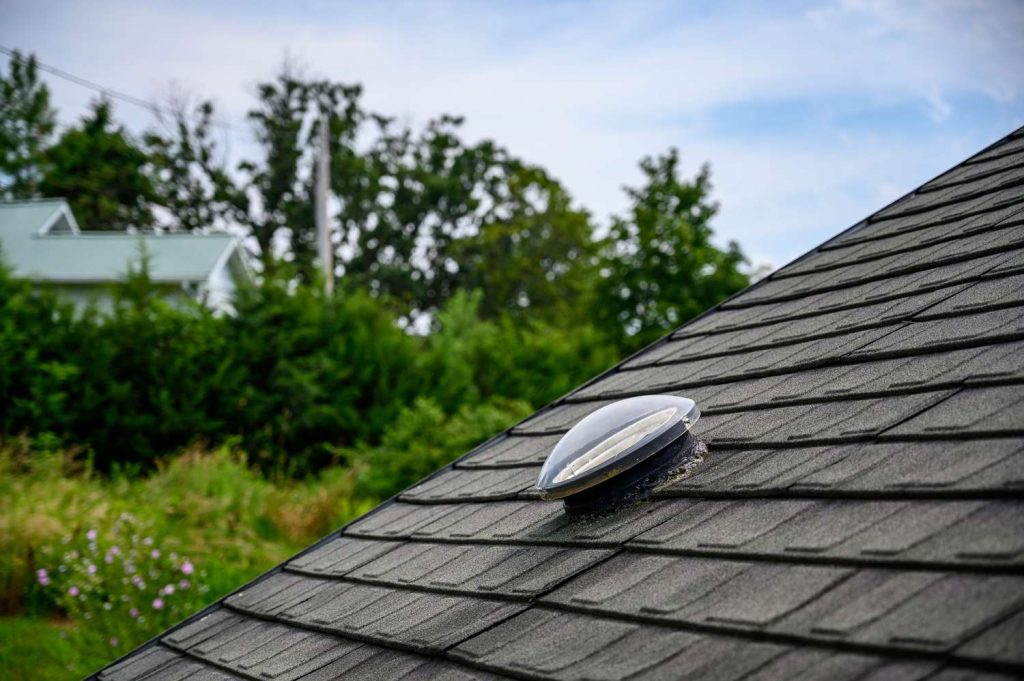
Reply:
x=586, y=89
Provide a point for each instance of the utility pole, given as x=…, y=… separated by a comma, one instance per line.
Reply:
x=323, y=232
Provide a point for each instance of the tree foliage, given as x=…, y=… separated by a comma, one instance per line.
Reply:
x=102, y=172
x=659, y=266
x=26, y=126
x=300, y=376
x=513, y=297
x=192, y=184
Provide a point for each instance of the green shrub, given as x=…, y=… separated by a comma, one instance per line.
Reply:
x=424, y=439
x=296, y=378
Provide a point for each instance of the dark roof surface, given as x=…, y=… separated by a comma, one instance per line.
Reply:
x=858, y=516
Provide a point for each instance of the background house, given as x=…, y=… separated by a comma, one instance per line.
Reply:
x=40, y=240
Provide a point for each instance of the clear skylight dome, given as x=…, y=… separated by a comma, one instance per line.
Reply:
x=614, y=439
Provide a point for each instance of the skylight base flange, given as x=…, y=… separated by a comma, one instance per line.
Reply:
x=637, y=483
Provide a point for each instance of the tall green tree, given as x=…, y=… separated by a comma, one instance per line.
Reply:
x=278, y=206
x=102, y=172
x=190, y=177
x=431, y=189
x=26, y=127
x=533, y=255
x=659, y=266
x=276, y=196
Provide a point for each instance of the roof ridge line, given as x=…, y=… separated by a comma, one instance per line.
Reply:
x=891, y=274
x=935, y=186
x=864, y=222
x=967, y=196
x=986, y=275
x=945, y=238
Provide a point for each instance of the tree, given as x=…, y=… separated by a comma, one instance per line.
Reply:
x=419, y=215
x=278, y=202
x=102, y=172
x=533, y=255
x=26, y=126
x=191, y=182
x=430, y=190
x=659, y=267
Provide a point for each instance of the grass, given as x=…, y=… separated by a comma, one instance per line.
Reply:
x=205, y=508
x=37, y=648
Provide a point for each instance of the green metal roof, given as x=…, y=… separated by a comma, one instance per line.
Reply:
x=39, y=240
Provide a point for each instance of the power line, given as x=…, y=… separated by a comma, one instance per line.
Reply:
x=152, y=107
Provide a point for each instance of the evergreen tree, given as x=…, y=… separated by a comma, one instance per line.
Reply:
x=26, y=127
x=659, y=267
x=102, y=172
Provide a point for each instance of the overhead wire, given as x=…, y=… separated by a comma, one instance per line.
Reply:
x=152, y=107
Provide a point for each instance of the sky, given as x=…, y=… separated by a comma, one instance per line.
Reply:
x=812, y=115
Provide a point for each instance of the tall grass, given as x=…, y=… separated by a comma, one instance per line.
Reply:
x=94, y=565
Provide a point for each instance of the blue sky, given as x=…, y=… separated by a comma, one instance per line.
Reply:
x=811, y=114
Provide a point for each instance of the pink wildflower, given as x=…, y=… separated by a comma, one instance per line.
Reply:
x=43, y=576
x=183, y=584
x=91, y=535
x=91, y=569
x=155, y=553
x=73, y=591
x=133, y=613
x=187, y=568
x=113, y=642
x=158, y=603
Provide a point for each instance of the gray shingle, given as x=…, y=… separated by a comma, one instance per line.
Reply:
x=698, y=590
x=427, y=622
x=979, y=412
x=202, y=628
x=545, y=644
x=823, y=665
x=947, y=612
x=559, y=419
x=1004, y=291
x=394, y=521
x=511, y=451
x=469, y=484
x=534, y=522
x=829, y=421
x=949, y=332
x=341, y=555
x=512, y=571
x=935, y=466
x=941, y=261
x=280, y=652
x=297, y=653
x=1001, y=642
x=885, y=532
x=909, y=610
x=146, y=662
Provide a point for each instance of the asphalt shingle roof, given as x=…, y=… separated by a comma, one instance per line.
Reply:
x=858, y=515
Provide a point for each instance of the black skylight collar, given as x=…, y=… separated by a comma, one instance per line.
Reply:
x=620, y=452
